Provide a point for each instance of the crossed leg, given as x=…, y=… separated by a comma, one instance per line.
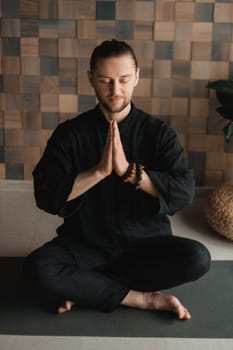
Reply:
x=146, y=301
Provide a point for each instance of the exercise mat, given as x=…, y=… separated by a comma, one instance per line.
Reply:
x=209, y=300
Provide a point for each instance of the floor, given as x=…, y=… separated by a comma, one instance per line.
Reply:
x=31, y=233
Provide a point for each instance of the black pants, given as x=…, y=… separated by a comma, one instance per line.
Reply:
x=149, y=265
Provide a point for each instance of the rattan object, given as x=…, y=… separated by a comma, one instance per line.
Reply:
x=219, y=210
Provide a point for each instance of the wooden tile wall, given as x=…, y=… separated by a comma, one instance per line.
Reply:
x=45, y=47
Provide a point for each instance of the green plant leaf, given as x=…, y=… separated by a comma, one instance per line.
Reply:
x=224, y=86
x=228, y=131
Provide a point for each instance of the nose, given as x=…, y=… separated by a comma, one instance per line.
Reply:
x=115, y=88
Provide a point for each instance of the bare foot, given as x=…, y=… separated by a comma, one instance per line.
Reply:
x=65, y=307
x=156, y=301
x=162, y=302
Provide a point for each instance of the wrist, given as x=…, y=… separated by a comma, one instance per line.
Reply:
x=124, y=170
x=99, y=174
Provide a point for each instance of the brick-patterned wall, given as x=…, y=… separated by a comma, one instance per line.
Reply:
x=45, y=47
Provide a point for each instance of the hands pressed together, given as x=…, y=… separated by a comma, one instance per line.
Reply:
x=113, y=157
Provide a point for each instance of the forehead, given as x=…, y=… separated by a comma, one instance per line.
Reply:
x=122, y=65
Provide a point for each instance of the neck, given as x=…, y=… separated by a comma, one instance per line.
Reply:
x=118, y=116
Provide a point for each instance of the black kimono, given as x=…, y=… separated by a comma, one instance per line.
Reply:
x=114, y=238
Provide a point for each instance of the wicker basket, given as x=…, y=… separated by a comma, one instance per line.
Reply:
x=219, y=210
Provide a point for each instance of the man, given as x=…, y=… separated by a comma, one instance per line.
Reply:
x=114, y=173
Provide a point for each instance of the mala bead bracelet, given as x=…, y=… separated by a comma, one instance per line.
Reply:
x=139, y=171
x=130, y=172
x=134, y=171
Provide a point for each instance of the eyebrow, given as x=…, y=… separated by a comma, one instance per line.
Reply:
x=106, y=76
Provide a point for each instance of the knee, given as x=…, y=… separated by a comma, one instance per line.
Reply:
x=37, y=270
x=201, y=260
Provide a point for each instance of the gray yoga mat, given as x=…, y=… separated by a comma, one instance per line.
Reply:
x=210, y=301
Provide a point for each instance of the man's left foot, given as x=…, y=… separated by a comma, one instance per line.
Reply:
x=65, y=307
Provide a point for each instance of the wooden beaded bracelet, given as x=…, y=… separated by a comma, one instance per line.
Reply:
x=134, y=170
x=139, y=171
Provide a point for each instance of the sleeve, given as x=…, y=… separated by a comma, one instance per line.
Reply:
x=172, y=177
x=54, y=175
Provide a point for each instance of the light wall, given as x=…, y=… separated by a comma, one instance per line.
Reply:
x=181, y=45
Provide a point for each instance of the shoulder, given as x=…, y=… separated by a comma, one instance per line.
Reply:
x=70, y=128
x=152, y=122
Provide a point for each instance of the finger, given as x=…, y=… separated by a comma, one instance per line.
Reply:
x=116, y=133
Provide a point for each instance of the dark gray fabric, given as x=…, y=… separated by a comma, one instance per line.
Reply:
x=113, y=214
x=209, y=300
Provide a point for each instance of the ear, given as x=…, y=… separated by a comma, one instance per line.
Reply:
x=137, y=77
x=90, y=77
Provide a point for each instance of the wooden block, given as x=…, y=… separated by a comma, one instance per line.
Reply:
x=68, y=103
x=29, y=46
x=86, y=29
x=30, y=84
x=30, y=65
x=183, y=31
x=10, y=27
x=144, y=11
x=68, y=48
x=199, y=107
x=219, y=70
x=197, y=124
x=14, y=137
x=48, y=28
x=180, y=69
x=48, y=103
x=200, y=70
x=201, y=51
x=215, y=160
x=181, y=88
x=146, y=71
x=184, y=12
x=181, y=50
x=11, y=83
x=179, y=123
x=30, y=102
x=161, y=106
x=202, y=32
x=48, y=47
x=215, y=143
x=31, y=138
x=67, y=28
x=125, y=10
x=162, y=87
x=44, y=137
x=12, y=102
x=143, y=30
x=48, y=9
x=2, y=171
x=143, y=88
x=85, y=47
x=161, y=69
x=10, y=65
x=105, y=30
x=164, y=31
x=164, y=11
x=29, y=8
x=72, y=9
x=49, y=85
x=13, y=120
x=14, y=154
x=179, y=107
x=29, y=27
x=67, y=75
x=214, y=177
x=223, y=13
x=31, y=120
x=144, y=103
x=197, y=142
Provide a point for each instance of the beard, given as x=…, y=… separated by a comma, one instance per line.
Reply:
x=110, y=107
